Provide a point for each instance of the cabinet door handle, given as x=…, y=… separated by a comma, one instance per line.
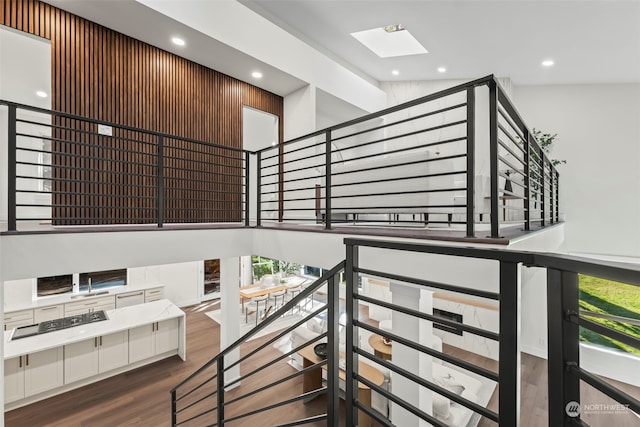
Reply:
x=20, y=362
x=129, y=296
x=100, y=341
x=95, y=342
x=55, y=307
x=27, y=357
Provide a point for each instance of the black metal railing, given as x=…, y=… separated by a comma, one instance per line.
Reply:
x=401, y=388
x=443, y=159
x=244, y=388
x=65, y=169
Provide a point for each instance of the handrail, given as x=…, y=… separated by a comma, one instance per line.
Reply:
x=115, y=125
x=272, y=318
x=433, y=96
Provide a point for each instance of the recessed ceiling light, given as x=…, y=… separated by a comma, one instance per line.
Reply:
x=395, y=72
x=177, y=41
x=442, y=70
x=547, y=63
x=42, y=94
x=390, y=41
x=256, y=75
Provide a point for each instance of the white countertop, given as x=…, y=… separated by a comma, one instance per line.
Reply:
x=119, y=319
x=63, y=299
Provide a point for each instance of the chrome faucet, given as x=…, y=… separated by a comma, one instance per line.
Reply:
x=89, y=284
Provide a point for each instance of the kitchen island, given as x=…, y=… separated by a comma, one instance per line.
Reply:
x=44, y=365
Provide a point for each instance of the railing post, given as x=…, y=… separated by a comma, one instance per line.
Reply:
x=471, y=161
x=509, y=353
x=220, y=396
x=351, y=388
x=542, y=189
x=493, y=158
x=527, y=180
x=552, y=198
x=563, y=346
x=327, y=181
x=557, y=197
x=174, y=418
x=160, y=186
x=258, y=187
x=247, y=183
x=11, y=169
x=333, y=356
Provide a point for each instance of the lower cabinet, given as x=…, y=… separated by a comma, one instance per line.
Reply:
x=33, y=373
x=94, y=356
x=150, y=340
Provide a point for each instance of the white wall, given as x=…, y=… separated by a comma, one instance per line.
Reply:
x=183, y=282
x=598, y=129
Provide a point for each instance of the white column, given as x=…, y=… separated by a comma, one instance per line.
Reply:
x=416, y=330
x=230, y=311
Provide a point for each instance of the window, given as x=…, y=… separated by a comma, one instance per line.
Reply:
x=53, y=285
x=312, y=271
x=103, y=279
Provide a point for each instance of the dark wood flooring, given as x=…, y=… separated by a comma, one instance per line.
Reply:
x=141, y=397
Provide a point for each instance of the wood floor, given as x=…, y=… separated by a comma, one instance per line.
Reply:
x=141, y=397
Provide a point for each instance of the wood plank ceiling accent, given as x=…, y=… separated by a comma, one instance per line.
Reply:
x=107, y=76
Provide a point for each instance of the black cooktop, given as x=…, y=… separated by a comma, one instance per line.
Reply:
x=58, y=324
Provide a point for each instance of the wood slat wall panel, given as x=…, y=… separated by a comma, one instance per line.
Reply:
x=105, y=75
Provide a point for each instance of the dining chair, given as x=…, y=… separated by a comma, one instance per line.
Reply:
x=257, y=306
x=278, y=296
x=293, y=292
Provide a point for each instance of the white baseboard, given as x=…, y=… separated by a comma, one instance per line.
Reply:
x=535, y=351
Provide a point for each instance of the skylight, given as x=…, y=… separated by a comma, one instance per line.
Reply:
x=390, y=41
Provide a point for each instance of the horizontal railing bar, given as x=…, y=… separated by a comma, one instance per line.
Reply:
x=93, y=221
x=305, y=396
x=431, y=317
x=371, y=208
x=232, y=159
x=437, y=95
x=381, y=419
x=415, y=162
x=512, y=167
x=395, y=193
x=404, y=135
x=515, y=143
x=508, y=119
x=88, y=157
x=284, y=153
x=175, y=178
x=519, y=184
x=118, y=126
x=513, y=153
x=197, y=416
x=601, y=385
x=430, y=283
x=236, y=158
x=394, y=398
x=192, y=404
x=400, y=150
x=432, y=175
x=604, y=330
x=303, y=421
x=293, y=170
x=289, y=190
x=288, y=162
x=87, y=170
x=61, y=206
x=397, y=122
x=430, y=385
x=200, y=201
x=629, y=320
x=238, y=175
x=279, y=381
x=117, y=184
x=90, y=134
x=76, y=193
x=432, y=352
x=94, y=146
x=284, y=181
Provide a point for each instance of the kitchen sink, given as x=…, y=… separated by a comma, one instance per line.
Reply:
x=92, y=294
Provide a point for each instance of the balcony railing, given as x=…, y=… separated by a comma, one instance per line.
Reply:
x=66, y=170
x=403, y=388
x=462, y=156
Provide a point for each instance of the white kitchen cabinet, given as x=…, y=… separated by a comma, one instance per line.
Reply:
x=89, y=305
x=51, y=312
x=129, y=298
x=33, y=373
x=15, y=319
x=150, y=340
x=153, y=294
x=94, y=356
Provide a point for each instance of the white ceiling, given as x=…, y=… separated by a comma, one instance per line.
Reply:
x=590, y=41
